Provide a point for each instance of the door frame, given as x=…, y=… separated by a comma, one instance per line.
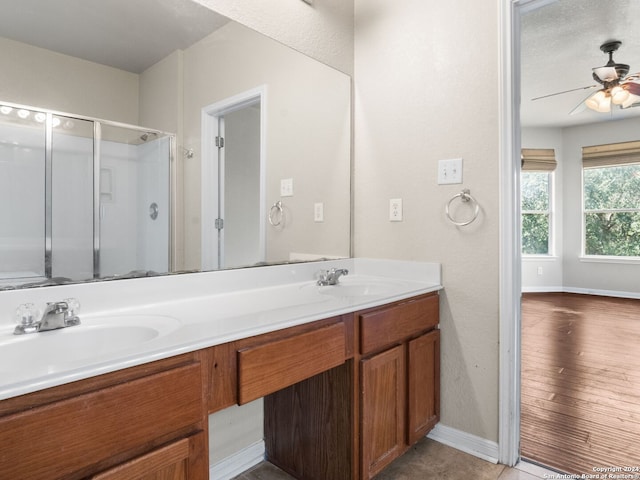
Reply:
x=510, y=284
x=210, y=173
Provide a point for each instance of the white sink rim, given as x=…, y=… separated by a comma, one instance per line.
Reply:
x=95, y=337
x=356, y=286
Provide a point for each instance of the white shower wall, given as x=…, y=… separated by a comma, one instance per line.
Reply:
x=138, y=175
x=133, y=177
x=21, y=201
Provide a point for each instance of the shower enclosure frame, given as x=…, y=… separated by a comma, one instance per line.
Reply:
x=97, y=138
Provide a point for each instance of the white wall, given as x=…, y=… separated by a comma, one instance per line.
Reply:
x=551, y=278
x=42, y=78
x=581, y=275
x=426, y=88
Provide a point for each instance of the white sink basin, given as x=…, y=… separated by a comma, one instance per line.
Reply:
x=48, y=352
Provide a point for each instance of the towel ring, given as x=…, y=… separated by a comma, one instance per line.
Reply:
x=276, y=211
x=465, y=196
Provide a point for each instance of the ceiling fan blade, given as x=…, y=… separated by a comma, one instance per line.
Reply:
x=565, y=91
x=606, y=74
x=581, y=107
x=632, y=87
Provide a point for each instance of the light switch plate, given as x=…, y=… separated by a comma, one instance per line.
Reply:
x=395, y=210
x=318, y=212
x=449, y=171
x=286, y=187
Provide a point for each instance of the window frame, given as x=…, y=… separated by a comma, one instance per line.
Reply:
x=551, y=247
x=584, y=257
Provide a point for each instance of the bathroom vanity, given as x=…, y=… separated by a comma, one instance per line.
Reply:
x=347, y=388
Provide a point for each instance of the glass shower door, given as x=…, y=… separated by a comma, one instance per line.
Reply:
x=134, y=201
x=72, y=198
x=22, y=194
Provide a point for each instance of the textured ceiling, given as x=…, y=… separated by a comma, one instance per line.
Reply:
x=560, y=46
x=130, y=35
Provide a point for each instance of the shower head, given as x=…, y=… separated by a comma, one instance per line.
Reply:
x=145, y=136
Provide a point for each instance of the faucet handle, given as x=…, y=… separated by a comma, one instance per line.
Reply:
x=73, y=305
x=27, y=317
x=27, y=314
x=323, y=277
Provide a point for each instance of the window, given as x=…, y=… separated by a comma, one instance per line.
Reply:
x=535, y=197
x=612, y=210
x=536, y=212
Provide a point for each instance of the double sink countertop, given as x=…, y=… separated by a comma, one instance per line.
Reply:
x=125, y=323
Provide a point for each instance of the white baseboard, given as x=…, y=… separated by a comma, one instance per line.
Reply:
x=238, y=462
x=542, y=289
x=602, y=293
x=583, y=291
x=466, y=442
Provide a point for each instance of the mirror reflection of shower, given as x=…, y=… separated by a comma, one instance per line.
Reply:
x=76, y=193
x=146, y=136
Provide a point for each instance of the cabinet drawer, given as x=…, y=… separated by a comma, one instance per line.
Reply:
x=56, y=440
x=269, y=367
x=389, y=325
x=168, y=462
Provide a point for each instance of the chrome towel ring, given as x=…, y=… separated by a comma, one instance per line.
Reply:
x=465, y=196
x=276, y=214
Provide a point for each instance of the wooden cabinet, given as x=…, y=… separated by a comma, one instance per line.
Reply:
x=274, y=365
x=400, y=379
x=383, y=409
x=352, y=420
x=110, y=424
x=423, y=385
x=170, y=462
x=244, y=370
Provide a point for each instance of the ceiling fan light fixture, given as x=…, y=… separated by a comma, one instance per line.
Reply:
x=599, y=101
x=619, y=95
x=631, y=99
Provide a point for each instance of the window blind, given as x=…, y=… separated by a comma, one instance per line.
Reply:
x=538, y=159
x=611, y=154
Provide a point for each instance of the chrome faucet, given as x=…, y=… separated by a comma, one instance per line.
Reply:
x=56, y=315
x=331, y=277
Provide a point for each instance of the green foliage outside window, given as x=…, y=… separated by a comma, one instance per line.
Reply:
x=612, y=210
x=534, y=188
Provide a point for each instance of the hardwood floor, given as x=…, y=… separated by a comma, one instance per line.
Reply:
x=580, y=381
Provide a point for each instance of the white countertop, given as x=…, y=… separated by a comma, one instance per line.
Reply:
x=131, y=322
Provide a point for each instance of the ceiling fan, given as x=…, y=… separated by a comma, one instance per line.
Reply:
x=617, y=86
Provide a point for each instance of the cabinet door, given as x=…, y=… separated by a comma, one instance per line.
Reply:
x=166, y=463
x=423, y=374
x=382, y=409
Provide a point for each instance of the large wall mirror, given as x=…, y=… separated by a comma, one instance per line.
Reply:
x=157, y=136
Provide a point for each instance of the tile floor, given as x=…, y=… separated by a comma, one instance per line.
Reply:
x=426, y=460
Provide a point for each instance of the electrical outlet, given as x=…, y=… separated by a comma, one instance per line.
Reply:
x=318, y=212
x=395, y=210
x=539, y=270
x=450, y=171
x=286, y=187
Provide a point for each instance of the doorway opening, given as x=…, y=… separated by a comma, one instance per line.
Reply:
x=233, y=181
x=573, y=392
